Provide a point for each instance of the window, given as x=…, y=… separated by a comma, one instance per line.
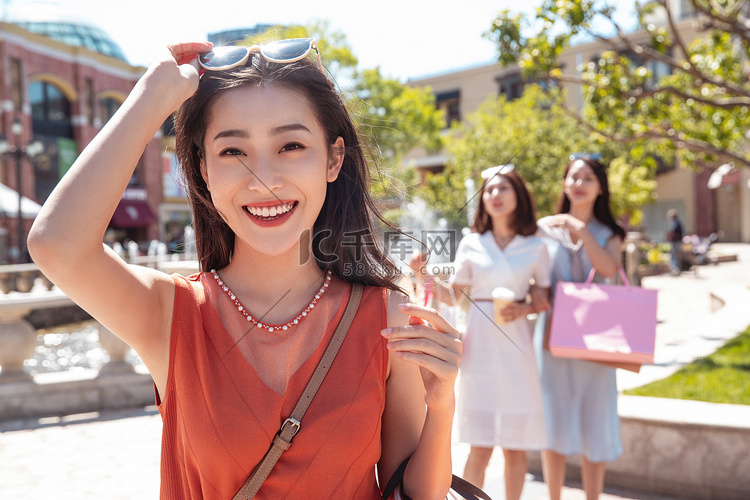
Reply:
x=16, y=85
x=450, y=103
x=90, y=113
x=511, y=86
x=686, y=10
x=658, y=70
x=107, y=108
x=50, y=110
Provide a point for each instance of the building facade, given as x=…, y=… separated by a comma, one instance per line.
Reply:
x=704, y=210
x=62, y=81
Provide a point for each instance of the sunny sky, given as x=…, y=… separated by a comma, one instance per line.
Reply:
x=406, y=38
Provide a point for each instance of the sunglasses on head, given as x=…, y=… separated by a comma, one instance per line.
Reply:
x=282, y=51
x=491, y=172
x=589, y=156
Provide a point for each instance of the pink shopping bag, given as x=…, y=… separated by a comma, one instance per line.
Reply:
x=605, y=323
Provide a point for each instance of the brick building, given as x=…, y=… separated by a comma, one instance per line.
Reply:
x=62, y=81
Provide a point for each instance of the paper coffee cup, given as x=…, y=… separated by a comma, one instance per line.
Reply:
x=501, y=297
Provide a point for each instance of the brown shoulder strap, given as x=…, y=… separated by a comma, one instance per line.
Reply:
x=291, y=426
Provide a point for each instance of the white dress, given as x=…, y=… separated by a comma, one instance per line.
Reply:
x=499, y=394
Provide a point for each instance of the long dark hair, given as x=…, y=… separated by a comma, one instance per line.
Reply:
x=343, y=233
x=523, y=221
x=602, y=210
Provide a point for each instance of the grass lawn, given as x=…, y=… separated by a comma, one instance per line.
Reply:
x=722, y=377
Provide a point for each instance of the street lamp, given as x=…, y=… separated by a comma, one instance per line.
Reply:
x=18, y=152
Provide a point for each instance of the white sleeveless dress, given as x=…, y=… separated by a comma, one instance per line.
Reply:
x=499, y=393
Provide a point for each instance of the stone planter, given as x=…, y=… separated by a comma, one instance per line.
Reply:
x=18, y=336
x=117, y=350
x=652, y=269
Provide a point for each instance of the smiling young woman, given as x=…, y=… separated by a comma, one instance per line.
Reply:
x=272, y=161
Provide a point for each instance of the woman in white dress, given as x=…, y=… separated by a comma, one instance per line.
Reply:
x=499, y=395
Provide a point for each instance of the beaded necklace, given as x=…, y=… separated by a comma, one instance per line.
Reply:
x=273, y=328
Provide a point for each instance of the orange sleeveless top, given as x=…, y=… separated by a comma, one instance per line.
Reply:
x=219, y=417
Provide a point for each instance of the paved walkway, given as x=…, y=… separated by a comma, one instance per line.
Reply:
x=115, y=455
x=698, y=312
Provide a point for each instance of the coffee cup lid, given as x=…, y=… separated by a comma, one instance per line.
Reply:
x=503, y=293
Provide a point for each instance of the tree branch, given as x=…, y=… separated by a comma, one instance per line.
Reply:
x=651, y=53
x=726, y=104
x=676, y=34
x=716, y=20
x=641, y=93
x=679, y=142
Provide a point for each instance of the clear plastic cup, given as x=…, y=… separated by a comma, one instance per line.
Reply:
x=501, y=297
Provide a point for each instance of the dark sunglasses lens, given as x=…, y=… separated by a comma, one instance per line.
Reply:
x=287, y=50
x=223, y=57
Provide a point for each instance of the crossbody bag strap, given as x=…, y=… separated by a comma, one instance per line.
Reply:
x=291, y=426
x=458, y=484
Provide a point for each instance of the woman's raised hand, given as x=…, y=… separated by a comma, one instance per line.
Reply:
x=566, y=221
x=434, y=347
x=176, y=71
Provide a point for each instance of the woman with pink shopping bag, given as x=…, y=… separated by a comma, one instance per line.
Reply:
x=580, y=397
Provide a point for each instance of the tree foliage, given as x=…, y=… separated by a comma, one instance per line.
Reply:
x=398, y=116
x=393, y=119
x=700, y=111
x=536, y=135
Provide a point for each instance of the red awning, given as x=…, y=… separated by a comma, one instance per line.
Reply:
x=132, y=213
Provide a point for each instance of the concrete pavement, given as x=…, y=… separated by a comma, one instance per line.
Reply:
x=115, y=455
x=698, y=311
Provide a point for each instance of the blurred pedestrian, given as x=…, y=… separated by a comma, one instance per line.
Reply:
x=133, y=250
x=499, y=395
x=674, y=238
x=118, y=249
x=580, y=397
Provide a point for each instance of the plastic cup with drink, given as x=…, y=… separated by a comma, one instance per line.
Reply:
x=501, y=297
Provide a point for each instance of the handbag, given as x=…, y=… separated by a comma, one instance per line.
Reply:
x=458, y=485
x=611, y=324
x=292, y=425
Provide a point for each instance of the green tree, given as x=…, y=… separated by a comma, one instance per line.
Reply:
x=536, y=135
x=393, y=119
x=699, y=112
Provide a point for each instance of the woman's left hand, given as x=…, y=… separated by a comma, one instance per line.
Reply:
x=513, y=311
x=434, y=347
